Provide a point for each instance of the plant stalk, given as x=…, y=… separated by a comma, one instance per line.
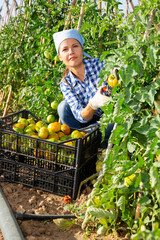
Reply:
x=81, y=15
x=106, y=154
x=69, y=15
x=7, y=103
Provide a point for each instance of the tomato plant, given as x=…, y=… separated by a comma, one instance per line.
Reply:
x=131, y=196
x=23, y=62
x=28, y=62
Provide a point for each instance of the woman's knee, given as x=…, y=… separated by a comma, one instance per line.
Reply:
x=66, y=116
x=62, y=109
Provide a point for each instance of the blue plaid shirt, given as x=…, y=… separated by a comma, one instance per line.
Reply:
x=78, y=93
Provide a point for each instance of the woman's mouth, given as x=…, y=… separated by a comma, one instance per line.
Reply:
x=72, y=58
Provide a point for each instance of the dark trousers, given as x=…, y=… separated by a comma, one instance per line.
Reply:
x=66, y=116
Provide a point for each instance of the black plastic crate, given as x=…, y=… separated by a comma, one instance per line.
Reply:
x=44, y=161
x=8, y=121
x=64, y=182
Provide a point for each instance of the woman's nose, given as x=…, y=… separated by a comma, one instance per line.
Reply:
x=71, y=50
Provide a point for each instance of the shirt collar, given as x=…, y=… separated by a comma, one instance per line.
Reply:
x=88, y=72
x=74, y=80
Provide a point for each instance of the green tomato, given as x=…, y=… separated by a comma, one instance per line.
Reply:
x=47, y=91
x=130, y=180
x=56, y=58
x=54, y=105
x=48, y=54
x=98, y=166
x=51, y=118
x=18, y=130
x=93, y=181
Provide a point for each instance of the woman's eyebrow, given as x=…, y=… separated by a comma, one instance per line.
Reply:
x=65, y=46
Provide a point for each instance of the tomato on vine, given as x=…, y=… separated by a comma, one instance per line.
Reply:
x=112, y=80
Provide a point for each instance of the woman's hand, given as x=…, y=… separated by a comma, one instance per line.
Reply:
x=99, y=100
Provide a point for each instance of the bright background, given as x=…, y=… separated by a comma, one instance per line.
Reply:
x=135, y=2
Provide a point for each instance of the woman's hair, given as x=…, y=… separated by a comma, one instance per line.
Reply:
x=65, y=73
x=63, y=77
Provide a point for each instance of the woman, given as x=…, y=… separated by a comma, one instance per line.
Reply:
x=83, y=98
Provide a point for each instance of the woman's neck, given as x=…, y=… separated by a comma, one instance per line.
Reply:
x=79, y=72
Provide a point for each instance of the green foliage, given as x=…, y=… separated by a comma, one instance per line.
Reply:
x=130, y=177
x=23, y=64
x=24, y=42
x=132, y=165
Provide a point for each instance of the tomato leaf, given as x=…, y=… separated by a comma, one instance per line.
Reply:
x=131, y=147
x=154, y=176
x=152, y=51
x=100, y=213
x=155, y=181
x=101, y=230
x=135, y=105
x=144, y=200
x=141, y=161
x=128, y=122
x=121, y=203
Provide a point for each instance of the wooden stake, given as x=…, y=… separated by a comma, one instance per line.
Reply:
x=149, y=24
x=131, y=3
x=127, y=8
x=106, y=8
x=7, y=103
x=106, y=154
x=100, y=6
x=26, y=21
x=69, y=15
x=81, y=15
x=3, y=95
x=138, y=212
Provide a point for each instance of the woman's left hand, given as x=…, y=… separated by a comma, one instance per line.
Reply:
x=99, y=100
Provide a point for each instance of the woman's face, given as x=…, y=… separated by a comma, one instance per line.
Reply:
x=71, y=52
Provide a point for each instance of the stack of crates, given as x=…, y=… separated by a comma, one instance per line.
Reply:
x=54, y=167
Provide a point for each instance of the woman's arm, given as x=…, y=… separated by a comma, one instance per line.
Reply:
x=87, y=112
x=99, y=100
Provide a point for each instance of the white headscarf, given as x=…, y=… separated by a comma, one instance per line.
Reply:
x=59, y=37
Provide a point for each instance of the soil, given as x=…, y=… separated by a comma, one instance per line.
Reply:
x=24, y=199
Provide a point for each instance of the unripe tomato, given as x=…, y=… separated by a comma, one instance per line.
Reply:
x=98, y=166
x=93, y=181
x=56, y=58
x=112, y=80
x=130, y=180
x=48, y=54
